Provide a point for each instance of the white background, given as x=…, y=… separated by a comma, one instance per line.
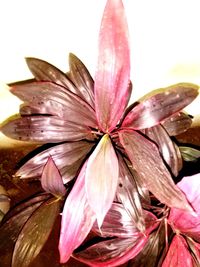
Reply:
x=165, y=40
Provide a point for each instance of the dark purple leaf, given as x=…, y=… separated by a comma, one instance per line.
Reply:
x=167, y=147
x=35, y=233
x=44, y=71
x=14, y=221
x=177, y=123
x=113, y=69
x=51, y=180
x=44, y=96
x=160, y=106
x=128, y=194
x=82, y=79
x=45, y=129
x=68, y=158
x=149, y=165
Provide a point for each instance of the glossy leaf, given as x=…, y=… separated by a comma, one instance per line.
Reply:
x=112, y=252
x=51, y=180
x=77, y=219
x=102, y=178
x=128, y=194
x=189, y=153
x=15, y=219
x=178, y=254
x=149, y=165
x=44, y=71
x=35, y=233
x=45, y=129
x=177, y=123
x=46, y=96
x=82, y=79
x=67, y=156
x=113, y=69
x=167, y=148
x=160, y=106
x=117, y=222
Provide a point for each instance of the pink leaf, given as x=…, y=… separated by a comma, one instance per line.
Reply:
x=188, y=222
x=51, y=179
x=147, y=162
x=112, y=75
x=178, y=254
x=160, y=106
x=77, y=219
x=102, y=178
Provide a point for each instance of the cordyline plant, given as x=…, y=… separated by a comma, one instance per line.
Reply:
x=111, y=167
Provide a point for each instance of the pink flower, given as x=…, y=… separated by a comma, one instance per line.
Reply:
x=185, y=246
x=89, y=123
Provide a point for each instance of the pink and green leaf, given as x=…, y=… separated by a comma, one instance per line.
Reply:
x=51, y=180
x=147, y=162
x=113, y=69
x=154, y=109
x=102, y=178
x=77, y=219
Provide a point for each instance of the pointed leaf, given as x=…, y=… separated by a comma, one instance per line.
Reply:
x=35, y=234
x=102, y=178
x=14, y=221
x=112, y=252
x=47, y=96
x=158, y=107
x=178, y=254
x=149, y=165
x=51, y=180
x=113, y=69
x=167, y=148
x=82, y=79
x=44, y=71
x=177, y=123
x=45, y=129
x=68, y=158
x=77, y=219
x=128, y=194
